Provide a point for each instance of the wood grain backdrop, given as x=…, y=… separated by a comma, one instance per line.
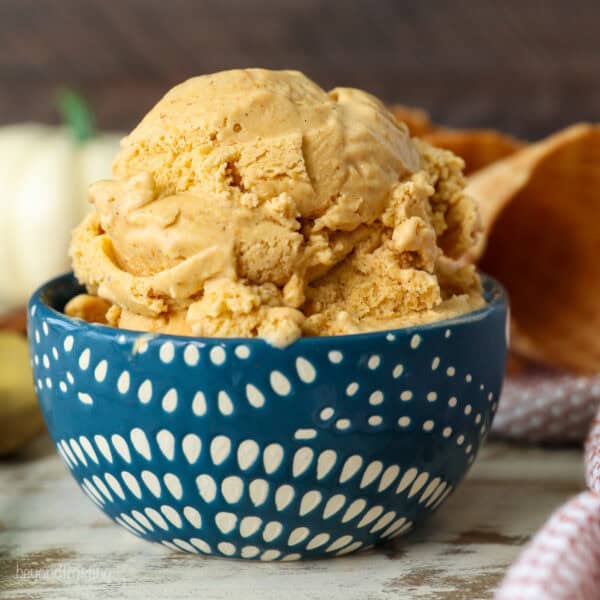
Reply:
x=522, y=65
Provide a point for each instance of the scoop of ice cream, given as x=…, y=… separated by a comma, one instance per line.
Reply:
x=254, y=203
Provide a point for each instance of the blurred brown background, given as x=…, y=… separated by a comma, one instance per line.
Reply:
x=525, y=66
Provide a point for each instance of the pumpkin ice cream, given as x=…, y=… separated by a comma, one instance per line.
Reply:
x=253, y=203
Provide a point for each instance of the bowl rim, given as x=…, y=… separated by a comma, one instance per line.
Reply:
x=494, y=293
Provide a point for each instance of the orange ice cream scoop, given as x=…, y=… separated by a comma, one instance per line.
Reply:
x=254, y=203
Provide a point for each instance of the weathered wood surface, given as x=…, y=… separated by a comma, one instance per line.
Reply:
x=528, y=67
x=56, y=545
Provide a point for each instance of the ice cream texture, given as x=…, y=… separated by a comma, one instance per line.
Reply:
x=253, y=203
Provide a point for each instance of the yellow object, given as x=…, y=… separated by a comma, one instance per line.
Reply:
x=44, y=173
x=254, y=203
x=20, y=419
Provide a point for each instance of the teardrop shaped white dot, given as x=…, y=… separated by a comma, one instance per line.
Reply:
x=140, y=442
x=84, y=359
x=348, y=549
x=372, y=514
x=226, y=548
x=169, y=401
x=201, y=545
x=166, y=443
x=415, y=341
x=100, y=371
x=191, y=355
x=283, y=496
x=325, y=463
x=77, y=449
x=319, y=540
x=383, y=521
x=374, y=361
x=352, y=389
x=302, y=460
x=431, y=486
x=193, y=517
x=272, y=531
x=388, y=477
x=68, y=343
x=272, y=457
x=309, y=502
x=418, y=483
x=354, y=509
x=351, y=466
x=152, y=483
x=371, y=473
x=220, y=447
x=407, y=479
x=342, y=424
x=173, y=484
x=398, y=370
x=226, y=521
x=242, y=351
x=121, y=447
x=141, y=518
x=306, y=371
x=217, y=355
x=224, y=403
x=172, y=515
x=100, y=485
x=232, y=488
x=298, y=535
x=305, y=434
x=84, y=398
x=438, y=492
x=191, y=446
x=199, y=404
x=88, y=448
x=376, y=398
x=167, y=352
x=394, y=526
x=103, y=446
x=156, y=518
x=255, y=396
x=280, y=383
x=339, y=543
x=123, y=382
x=132, y=483
x=115, y=485
x=259, y=490
x=249, y=526
x=207, y=488
x=326, y=413
x=247, y=454
x=334, y=504
x=250, y=551
x=335, y=357
x=145, y=392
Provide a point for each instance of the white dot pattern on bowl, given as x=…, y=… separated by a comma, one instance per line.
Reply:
x=430, y=491
x=109, y=470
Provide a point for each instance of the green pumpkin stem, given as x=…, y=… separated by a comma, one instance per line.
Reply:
x=76, y=114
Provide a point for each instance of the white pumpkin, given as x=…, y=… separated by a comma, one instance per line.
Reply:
x=44, y=173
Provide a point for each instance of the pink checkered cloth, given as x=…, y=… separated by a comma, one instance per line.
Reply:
x=562, y=562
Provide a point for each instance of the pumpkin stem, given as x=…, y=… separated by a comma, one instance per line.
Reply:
x=76, y=114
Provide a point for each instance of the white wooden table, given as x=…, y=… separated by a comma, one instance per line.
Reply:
x=54, y=544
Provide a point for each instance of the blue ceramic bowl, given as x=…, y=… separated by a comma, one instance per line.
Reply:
x=231, y=447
